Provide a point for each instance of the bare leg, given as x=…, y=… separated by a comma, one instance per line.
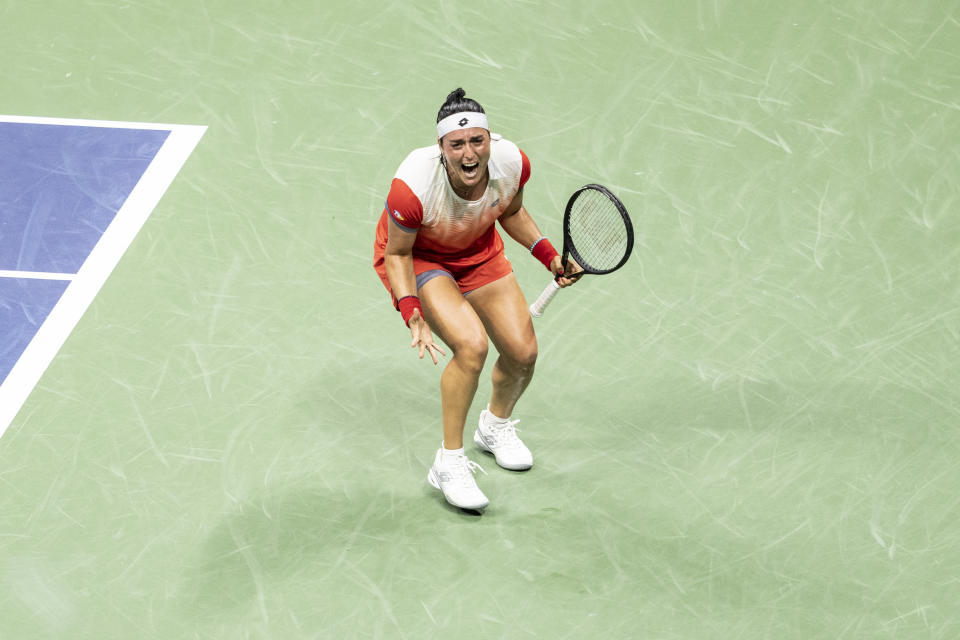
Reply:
x=457, y=324
x=510, y=380
x=503, y=310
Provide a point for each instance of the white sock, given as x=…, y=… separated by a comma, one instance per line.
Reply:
x=445, y=453
x=493, y=419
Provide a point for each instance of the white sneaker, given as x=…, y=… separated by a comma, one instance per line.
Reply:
x=499, y=437
x=453, y=475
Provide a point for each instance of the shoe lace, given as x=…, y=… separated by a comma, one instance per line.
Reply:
x=507, y=435
x=463, y=467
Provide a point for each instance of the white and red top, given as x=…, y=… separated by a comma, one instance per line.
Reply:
x=451, y=229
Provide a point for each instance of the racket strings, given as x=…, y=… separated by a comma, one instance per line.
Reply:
x=597, y=230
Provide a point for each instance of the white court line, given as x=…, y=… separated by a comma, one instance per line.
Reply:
x=108, y=124
x=36, y=275
x=105, y=255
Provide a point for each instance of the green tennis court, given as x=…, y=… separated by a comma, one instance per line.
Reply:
x=752, y=430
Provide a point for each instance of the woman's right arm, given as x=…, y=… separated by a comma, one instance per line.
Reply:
x=398, y=261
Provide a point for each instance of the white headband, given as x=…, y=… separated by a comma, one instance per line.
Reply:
x=462, y=120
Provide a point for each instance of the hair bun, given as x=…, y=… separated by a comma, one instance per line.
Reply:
x=456, y=95
x=456, y=102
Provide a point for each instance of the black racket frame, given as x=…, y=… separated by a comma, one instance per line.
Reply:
x=570, y=249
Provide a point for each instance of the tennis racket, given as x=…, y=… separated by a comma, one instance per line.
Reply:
x=597, y=234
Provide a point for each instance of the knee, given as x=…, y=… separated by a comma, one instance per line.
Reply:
x=524, y=358
x=471, y=352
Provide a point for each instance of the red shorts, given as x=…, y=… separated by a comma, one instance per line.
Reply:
x=490, y=265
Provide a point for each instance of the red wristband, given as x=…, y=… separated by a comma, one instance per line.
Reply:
x=407, y=305
x=544, y=252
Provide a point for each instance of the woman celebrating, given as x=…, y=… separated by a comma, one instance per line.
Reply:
x=439, y=254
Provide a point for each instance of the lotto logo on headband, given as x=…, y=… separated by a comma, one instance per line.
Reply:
x=461, y=121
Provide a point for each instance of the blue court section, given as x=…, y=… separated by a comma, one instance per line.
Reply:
x=24, y=305
x=61, y=186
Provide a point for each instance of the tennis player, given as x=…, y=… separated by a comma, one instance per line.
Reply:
x=440, y=256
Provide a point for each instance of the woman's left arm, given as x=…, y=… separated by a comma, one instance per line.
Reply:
x=519, y=225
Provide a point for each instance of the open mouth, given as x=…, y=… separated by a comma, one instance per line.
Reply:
x=470, y=170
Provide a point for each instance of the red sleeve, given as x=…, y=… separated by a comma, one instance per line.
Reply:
x=404, y=206
x=524, y=169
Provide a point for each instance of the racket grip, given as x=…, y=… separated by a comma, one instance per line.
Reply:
x=540, y=304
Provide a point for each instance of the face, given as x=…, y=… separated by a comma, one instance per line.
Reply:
x=466, y=153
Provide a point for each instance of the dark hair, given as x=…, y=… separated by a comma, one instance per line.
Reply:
x=456, y=102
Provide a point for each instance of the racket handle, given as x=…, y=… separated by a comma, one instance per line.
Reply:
x=540, y=304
